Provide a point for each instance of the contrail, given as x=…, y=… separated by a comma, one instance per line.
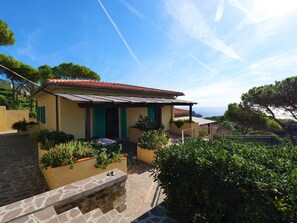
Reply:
x=131, y=9
x=220, y=11
x=120, y=34
x=203, y=64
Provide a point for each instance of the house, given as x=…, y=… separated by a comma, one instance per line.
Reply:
x=87, y=108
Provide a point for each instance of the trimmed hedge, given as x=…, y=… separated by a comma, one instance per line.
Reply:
x=49, y=139
x=227, y=181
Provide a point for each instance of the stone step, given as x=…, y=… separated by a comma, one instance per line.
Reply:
x=73, y=215
x=46, y=215
x=112, y=216
x=92, y=215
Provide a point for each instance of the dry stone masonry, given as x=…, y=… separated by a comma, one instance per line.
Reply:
x=101, y=191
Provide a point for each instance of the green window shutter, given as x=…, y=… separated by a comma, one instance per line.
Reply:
x=43, y=117
x=42, y=114
x=99, y=122
x=123, y=123
x=151, y=113
x=38, y=114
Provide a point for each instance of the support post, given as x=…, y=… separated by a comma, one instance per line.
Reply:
x=190, y=115
x=57, y=114
x=87, y=124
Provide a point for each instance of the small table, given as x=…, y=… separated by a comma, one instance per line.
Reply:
x=103, y=142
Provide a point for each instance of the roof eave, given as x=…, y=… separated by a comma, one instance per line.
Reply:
x=172, y=94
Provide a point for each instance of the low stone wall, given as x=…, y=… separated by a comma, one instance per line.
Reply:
x=104, y=191
x=8, y=117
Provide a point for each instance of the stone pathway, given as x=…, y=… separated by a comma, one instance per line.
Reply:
x=20, y=176
x=144, y=196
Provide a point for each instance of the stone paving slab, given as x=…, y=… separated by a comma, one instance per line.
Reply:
x=20, y=176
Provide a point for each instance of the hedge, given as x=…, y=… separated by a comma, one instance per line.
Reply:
x=228, y=181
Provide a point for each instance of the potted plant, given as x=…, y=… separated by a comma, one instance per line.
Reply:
x=75, y=160
x=149, y=142
x=143, y=124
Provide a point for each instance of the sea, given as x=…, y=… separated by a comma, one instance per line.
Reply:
x=209, y=111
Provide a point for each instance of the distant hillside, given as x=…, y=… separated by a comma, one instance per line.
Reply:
x=4, y=84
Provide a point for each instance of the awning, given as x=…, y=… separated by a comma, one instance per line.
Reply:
x=100, y=99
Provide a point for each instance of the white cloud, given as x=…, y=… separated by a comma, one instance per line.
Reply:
x=268, y=9
x=220, y=10
x=192, y=22
x=285, y=60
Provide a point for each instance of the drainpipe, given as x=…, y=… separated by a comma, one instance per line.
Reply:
x=87, y=123
x=57, y=113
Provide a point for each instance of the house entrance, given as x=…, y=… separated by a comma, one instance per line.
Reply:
x=112, y=123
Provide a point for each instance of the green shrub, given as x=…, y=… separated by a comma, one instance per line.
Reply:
x=20, y=125
x=49, y=139
x=144, y=123
x=68, y=153
x=227, y=181
x=107, y=155
x=153, y=139
x=180, y=122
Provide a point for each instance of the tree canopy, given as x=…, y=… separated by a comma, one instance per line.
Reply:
x=25, y=70
x=279, y=96
x=245, y=117
x=67, y=71
x=6, y=35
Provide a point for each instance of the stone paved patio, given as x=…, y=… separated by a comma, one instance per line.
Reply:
x=20, y=176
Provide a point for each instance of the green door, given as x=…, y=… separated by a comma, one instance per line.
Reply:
x=99, y=122
x=151, y=113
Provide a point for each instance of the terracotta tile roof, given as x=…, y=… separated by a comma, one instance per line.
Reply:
x=109, y=86
x=178, y=112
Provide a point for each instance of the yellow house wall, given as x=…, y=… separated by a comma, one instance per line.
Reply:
x=8, y=117
x=133, y=115
x=49, y=101
x=166, y=116
x=72, y=118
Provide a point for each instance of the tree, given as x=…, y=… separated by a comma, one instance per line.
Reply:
x=245, y=117
x=24, y=70
x=67, y=71
x=6, y=35
x=270, y=98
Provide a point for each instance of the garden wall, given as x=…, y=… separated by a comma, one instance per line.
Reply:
x=8, y=117
x=100, y=191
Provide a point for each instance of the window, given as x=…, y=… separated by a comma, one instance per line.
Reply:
x=41, y=114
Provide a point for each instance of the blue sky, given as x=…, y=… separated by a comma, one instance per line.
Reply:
x=213, y=51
